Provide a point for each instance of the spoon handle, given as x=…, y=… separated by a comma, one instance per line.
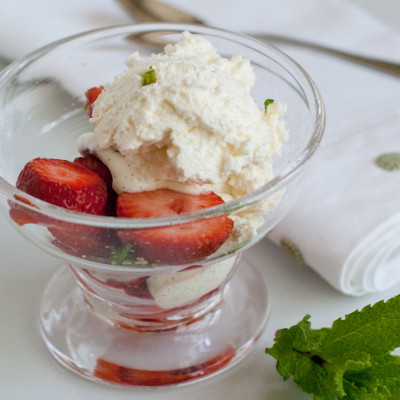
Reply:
x=156, y=11
x=387, y=67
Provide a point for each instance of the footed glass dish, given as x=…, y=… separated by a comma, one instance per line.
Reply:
x=107, y=314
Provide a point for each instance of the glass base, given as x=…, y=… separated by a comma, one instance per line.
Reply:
x=97, y=348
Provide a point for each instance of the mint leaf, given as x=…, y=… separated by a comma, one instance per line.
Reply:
x=149, y=77
x=376, y=328
x=379, y=382
x=267, y=102
x=294, y=350
x=350, y=360
x=122, y=255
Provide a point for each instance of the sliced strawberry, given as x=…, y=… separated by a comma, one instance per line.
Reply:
x=22, y=215
x=90, y=243
x=93, y=163
x=65, y=184
x=178, y=244
x=136, y=287
x=97, y=166
x=91, y=97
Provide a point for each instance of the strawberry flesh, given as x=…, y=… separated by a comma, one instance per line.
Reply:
x=178, y=244
x=22, y=215
x=97, y=166
x=91, y=97
x=65, y=184
x=83, y=241
x=136, y=287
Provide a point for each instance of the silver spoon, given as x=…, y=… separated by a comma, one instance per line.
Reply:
x=156, y=11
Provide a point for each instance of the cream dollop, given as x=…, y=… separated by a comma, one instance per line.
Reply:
x=196, y=129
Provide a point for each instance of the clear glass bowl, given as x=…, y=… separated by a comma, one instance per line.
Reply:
x=108, y=315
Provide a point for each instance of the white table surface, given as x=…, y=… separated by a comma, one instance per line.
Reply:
x=27, y=371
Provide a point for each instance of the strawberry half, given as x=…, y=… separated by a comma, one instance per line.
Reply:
x=91, y=96
x=22, y=215
x=179, y=244
x=65, y=184
x=97, y=166
x=79, y=241
x=136, y=287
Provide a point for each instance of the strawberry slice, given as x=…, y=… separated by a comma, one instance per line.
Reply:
x=65, y=184
x=179, y=244
x=79, y=241
x=136, y=287
x=97, y=166
x=91, y=97
x=20, y=214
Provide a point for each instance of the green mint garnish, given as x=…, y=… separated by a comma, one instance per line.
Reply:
x=352, y=360
x=149, y=76
x=122, y=255
x=267, y=103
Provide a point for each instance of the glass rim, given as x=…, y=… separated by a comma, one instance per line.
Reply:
x=276, y=183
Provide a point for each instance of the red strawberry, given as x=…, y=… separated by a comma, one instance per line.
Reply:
x=110, y=372
x=91, y=97
x=82, y=241
x=178, y=244
x=64, y=184
x=20, y=214
x=136, y=287
x=97, y=166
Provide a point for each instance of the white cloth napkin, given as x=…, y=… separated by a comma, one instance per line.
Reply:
x=346, y=222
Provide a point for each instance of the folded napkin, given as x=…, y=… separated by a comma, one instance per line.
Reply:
x=345, y=224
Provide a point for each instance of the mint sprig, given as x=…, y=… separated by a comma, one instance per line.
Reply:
x=352, y=360
x=122, y=255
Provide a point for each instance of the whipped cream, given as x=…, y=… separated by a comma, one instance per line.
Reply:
x=175, y=290
x=196, y=129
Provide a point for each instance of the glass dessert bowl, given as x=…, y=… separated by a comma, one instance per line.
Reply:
x=170, y=316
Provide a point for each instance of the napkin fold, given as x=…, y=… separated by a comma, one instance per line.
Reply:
x=346, y=222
